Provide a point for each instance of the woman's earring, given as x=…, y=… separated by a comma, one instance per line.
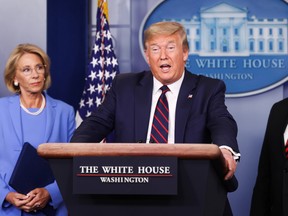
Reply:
x=16, y=83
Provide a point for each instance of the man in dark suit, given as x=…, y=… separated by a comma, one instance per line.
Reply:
x=270, y=194
x=197, y=111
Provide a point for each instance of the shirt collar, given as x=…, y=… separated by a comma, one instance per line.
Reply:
x=174, y=87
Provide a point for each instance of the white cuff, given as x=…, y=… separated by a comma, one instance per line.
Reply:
x=235, y=154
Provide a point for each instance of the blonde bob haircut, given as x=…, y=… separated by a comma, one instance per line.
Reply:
x=12, y=64
x=166, y=28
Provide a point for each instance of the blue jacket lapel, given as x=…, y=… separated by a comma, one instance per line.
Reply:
x=143, y=99
x=50, y=118
x=184, y=105
x=14, y=111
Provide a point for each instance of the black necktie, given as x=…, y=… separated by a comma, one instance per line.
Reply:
x=159, y=131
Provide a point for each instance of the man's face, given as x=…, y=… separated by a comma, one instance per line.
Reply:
x=166, y=57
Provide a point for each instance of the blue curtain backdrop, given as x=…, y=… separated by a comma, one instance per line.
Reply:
x=67, y=39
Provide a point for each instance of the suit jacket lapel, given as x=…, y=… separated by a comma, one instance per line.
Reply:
x=14, y=111
x=50, y=118
x=143, y=99
x=184, y=105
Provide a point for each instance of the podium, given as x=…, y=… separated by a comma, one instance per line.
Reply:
x=201, y=186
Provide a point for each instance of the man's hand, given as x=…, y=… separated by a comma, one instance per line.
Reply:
x=230, y=163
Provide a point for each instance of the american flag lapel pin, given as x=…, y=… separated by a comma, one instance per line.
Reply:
x=190, y=96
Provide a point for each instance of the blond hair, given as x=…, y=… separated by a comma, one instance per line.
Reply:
x=12, y=63
x=166, y=28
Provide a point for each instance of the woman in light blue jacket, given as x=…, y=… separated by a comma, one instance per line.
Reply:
x=30, y=115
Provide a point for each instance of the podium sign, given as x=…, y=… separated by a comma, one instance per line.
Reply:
x=125, y=175
x=199, y=171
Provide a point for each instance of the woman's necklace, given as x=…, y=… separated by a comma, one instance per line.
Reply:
x=38, y=111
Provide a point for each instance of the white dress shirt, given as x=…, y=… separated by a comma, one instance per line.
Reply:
x=172, y=97
x=285, y=135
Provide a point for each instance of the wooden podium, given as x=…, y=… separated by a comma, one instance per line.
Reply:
x=201, y=188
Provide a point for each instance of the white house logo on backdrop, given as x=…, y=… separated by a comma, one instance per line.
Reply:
x=248, y=53
x=227, y=30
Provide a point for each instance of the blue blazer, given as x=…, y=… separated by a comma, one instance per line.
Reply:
x=201, y=114
x=60, y=126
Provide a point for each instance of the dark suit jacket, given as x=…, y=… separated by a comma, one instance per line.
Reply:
x=269, y=192
x=201, y=119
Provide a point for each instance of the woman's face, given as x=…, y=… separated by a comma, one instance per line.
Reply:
x=30, y=74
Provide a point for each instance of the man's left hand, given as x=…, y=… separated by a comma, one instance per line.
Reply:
x=231, y=164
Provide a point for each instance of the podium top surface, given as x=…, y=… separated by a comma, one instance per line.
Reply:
x=69, y=150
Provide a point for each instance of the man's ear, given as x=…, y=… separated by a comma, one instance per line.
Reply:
x=185, y=55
